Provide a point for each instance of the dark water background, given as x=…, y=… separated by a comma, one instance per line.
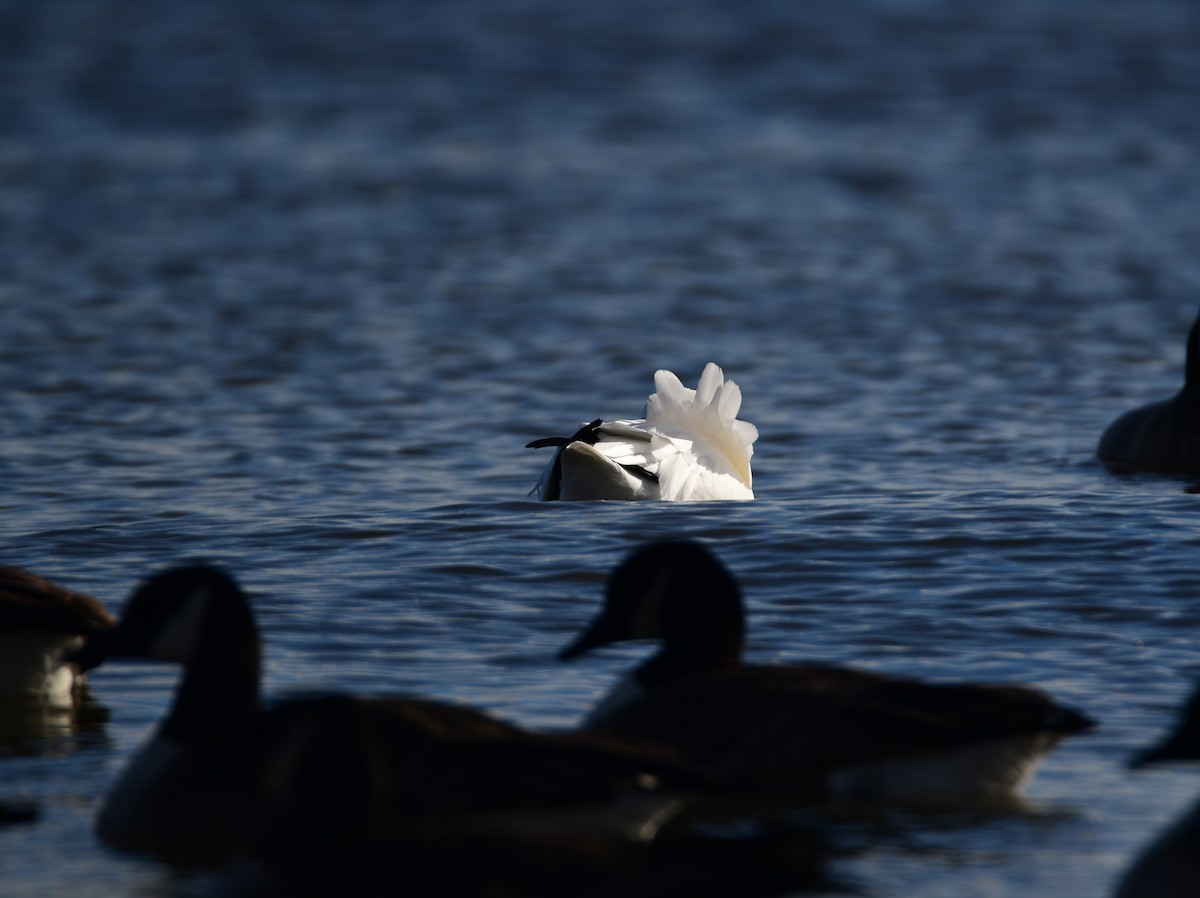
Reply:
x=288, y=286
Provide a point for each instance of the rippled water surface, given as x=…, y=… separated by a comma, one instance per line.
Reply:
x=288, y=287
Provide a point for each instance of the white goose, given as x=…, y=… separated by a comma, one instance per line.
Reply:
x=689, y=447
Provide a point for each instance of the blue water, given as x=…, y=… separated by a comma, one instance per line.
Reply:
x=289, y=287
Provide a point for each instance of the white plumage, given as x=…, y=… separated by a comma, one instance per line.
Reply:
x=689, y=447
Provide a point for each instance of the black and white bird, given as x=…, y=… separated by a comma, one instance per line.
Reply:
x=690, y=446
x=811, y=729
x=1162, y=436
x=41, y=623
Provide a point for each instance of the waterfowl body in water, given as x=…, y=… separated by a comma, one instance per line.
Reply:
x=1169, y=867
x=689, y=447
x=1161, y=436
x=812, y=729
x=543, y=865
x=222, y=773
x=40, y=624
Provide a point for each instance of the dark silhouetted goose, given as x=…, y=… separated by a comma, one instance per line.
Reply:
x=1170, y=866
x=448, y=824
x=221, y=773
x=812, y=729
x=41, y=623
x=689, y=447
x=1162, y=436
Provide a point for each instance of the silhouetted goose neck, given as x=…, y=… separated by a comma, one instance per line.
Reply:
x=678, y=593
x=199, y=617
x=1191, y=369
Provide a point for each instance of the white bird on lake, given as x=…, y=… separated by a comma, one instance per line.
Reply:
x=689, y=447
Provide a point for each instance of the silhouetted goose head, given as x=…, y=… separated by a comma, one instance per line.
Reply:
x=196, y=616
x=676, y=593
x=177, y=615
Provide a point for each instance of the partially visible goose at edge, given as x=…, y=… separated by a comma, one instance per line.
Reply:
x=1170, y=866
x=689, y=447
x=222, y=774
x=811, y=729
x=1161, y=436
x=40, y=623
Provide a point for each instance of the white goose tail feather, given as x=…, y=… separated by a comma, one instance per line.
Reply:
x=703, y=450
